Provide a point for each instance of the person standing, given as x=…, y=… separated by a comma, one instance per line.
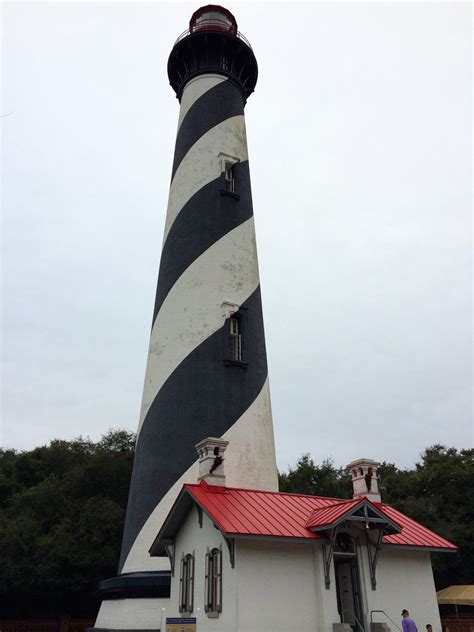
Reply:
x=408, y=624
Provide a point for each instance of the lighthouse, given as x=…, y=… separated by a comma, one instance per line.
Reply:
x=206, y=372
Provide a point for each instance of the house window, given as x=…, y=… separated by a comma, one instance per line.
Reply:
x=186, y=586
x=213, y=586
x=229, y=177
x=235, y=339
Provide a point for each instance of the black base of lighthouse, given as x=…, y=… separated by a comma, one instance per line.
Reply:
x=137, y=585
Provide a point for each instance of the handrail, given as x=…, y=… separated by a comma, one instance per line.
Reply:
x=213, y=28
x=356, y=619
x=383, y=612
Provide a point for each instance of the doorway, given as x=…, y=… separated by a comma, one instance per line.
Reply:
x=349, y=602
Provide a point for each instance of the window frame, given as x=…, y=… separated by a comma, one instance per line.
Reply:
x=229, y=182
x=186, y=583
x=213, y=581
x=234, y=344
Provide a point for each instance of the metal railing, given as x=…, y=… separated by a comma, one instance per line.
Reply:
x=361, y=627
x=217, y=29
x=384, y=613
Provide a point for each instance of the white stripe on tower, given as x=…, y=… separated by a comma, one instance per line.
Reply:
x=194, y=90
x=201, y=164
x=194, y=308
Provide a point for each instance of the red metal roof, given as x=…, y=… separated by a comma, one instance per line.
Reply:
x=328, y=514
x=248, y=512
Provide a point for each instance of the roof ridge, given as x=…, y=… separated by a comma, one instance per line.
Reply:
x=268, y=491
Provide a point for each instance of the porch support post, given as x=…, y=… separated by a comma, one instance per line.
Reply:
x=169, y=548
x=373, y=550
x=328, y=553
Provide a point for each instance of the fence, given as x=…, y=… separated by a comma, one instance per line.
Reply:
x=453, y=624
x=46, y=625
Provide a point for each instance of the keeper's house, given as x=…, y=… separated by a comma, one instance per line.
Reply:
x=248, y=560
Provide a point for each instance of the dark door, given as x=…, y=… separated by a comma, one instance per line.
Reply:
x=348, y=592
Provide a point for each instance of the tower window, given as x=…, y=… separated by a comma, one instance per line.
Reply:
x=229, y=177
x=235, y=339
x=186, y=586
x=213, y=585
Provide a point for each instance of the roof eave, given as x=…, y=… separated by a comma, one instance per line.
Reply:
x=418, y=547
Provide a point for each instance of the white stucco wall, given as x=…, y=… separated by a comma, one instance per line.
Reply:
x=279, y=587
x=192, y=538
x=275, y=587
x=404, y=580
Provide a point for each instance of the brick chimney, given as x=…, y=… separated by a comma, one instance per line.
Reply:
x=211, y=460
x=364, y=479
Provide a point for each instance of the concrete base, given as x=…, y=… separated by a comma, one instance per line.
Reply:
x=341, y=627
x=137, y=615
x=134, y=602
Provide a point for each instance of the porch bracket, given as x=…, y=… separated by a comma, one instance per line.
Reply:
x=231, y=546
x=169, y=548
x=373, y=550
x=328, y=553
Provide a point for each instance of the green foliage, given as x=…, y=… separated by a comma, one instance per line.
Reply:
x=316, y=480
x=438, y=493
x=62, y=509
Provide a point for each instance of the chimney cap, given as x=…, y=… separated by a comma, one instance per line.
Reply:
x=212, y=440
x=363, y=461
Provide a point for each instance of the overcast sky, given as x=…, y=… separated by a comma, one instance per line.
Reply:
x=359, y=136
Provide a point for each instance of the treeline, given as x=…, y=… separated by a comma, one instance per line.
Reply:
x=62, y=509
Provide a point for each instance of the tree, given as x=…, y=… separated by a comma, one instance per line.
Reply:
x=62, y=509
x=439, y=493
x=316, y=480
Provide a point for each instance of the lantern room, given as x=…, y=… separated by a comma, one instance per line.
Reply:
x=212, y=17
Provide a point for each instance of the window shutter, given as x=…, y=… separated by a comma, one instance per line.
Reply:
x=191, y=584
x=206, y=582
x=218, y=599
x=181, y=585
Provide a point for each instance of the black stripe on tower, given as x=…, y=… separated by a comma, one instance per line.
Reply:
x=203, y=220
x=215, y=106
x=201, y=398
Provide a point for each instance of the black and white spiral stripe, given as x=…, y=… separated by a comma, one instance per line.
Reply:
x=208, y=261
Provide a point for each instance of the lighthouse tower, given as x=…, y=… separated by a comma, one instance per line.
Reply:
x=206, y=373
